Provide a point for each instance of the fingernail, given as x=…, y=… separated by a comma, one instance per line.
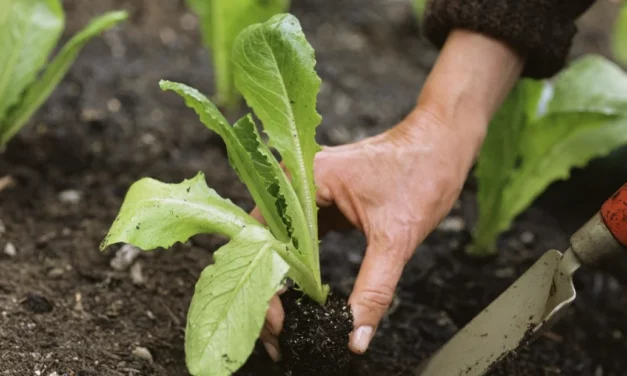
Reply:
x=272, y=351
x=360, y=340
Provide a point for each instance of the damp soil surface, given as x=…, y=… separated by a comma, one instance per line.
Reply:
x=68, y=309
x=314, y=340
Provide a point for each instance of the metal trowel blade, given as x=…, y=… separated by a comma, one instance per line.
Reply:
x=512, y=319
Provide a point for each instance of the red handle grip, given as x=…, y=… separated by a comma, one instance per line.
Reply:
x=614, y=213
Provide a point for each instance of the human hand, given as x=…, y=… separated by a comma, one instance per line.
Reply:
x=397, y=186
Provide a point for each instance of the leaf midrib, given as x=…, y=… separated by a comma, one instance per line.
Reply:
x=237, y=289
x=294, y=131
x=211, y=208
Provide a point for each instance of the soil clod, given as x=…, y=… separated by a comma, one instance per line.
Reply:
x=37, y=303
x=315, y=339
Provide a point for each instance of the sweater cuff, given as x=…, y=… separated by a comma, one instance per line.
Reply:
x=537, y=29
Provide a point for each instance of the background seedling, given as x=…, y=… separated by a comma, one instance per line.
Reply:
x=29, y=31
x=220, y=22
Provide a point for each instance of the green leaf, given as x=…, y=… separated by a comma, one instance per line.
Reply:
x=241, y=159
x=287, y=202
x=29, y=30
x=499, y=158
x=526, y=150
x=221, y=21
x=266, y=182
x=232, y=295
x=561, y=143
x=619, y=38
x=590, y=84
x=274, y=69
x=229, y=305
x=37, y=93
x=272, y=177
x=156, y=214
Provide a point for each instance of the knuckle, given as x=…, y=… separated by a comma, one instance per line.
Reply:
x=376, y=300
x=397, y=241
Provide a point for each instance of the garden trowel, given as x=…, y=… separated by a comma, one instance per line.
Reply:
x=535, y=302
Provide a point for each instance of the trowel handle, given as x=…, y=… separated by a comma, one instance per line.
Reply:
x=614, y=213
x=605, y=234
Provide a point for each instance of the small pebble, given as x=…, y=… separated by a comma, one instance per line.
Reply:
x=124, y=257
x=114, y=105
x=156, y=115
x=504, y=273
x=342, y=104
x=617, y=334
x=54, y=374
x=70, y=196
x=78, y=298
x=527, y=238
x=188, y=22
x=10, y=250
x=91, y=114
x=147, y=139
x=56, y=272
x=136, y=274
x=354, y=257
x=167, y=35
x=452, y=224
x=142, y=353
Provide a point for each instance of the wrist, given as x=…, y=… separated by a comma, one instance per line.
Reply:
x=470, y=80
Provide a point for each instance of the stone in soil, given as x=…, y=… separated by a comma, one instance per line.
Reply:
x=314, y=340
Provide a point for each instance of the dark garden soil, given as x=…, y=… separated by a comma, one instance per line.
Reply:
x=314, y=340
x=64, y=308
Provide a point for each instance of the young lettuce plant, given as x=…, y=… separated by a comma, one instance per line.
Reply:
x=29, y=31
x=543, y=130
x=221, y=21
x=273, y=67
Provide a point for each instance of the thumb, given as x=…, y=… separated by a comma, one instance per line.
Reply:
x=374, y=289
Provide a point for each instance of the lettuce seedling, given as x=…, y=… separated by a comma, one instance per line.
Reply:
x=29, y=30
x=619, y=37
x=221, y=21
x=273, y=66
x=543, y=130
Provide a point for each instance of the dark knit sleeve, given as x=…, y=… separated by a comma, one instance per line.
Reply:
x=541, y=30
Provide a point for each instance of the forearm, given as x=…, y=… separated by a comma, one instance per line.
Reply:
x=470, y=80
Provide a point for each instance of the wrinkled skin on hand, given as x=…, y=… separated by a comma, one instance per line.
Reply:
x=395, y=188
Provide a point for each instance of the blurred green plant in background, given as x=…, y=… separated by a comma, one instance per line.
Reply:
x=220, y=22
x=29, y=31
x=544, y=130
x=419, y=8
x=619, y=42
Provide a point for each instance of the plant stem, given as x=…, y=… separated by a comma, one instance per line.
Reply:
x=302, y=274
x=483, y=245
